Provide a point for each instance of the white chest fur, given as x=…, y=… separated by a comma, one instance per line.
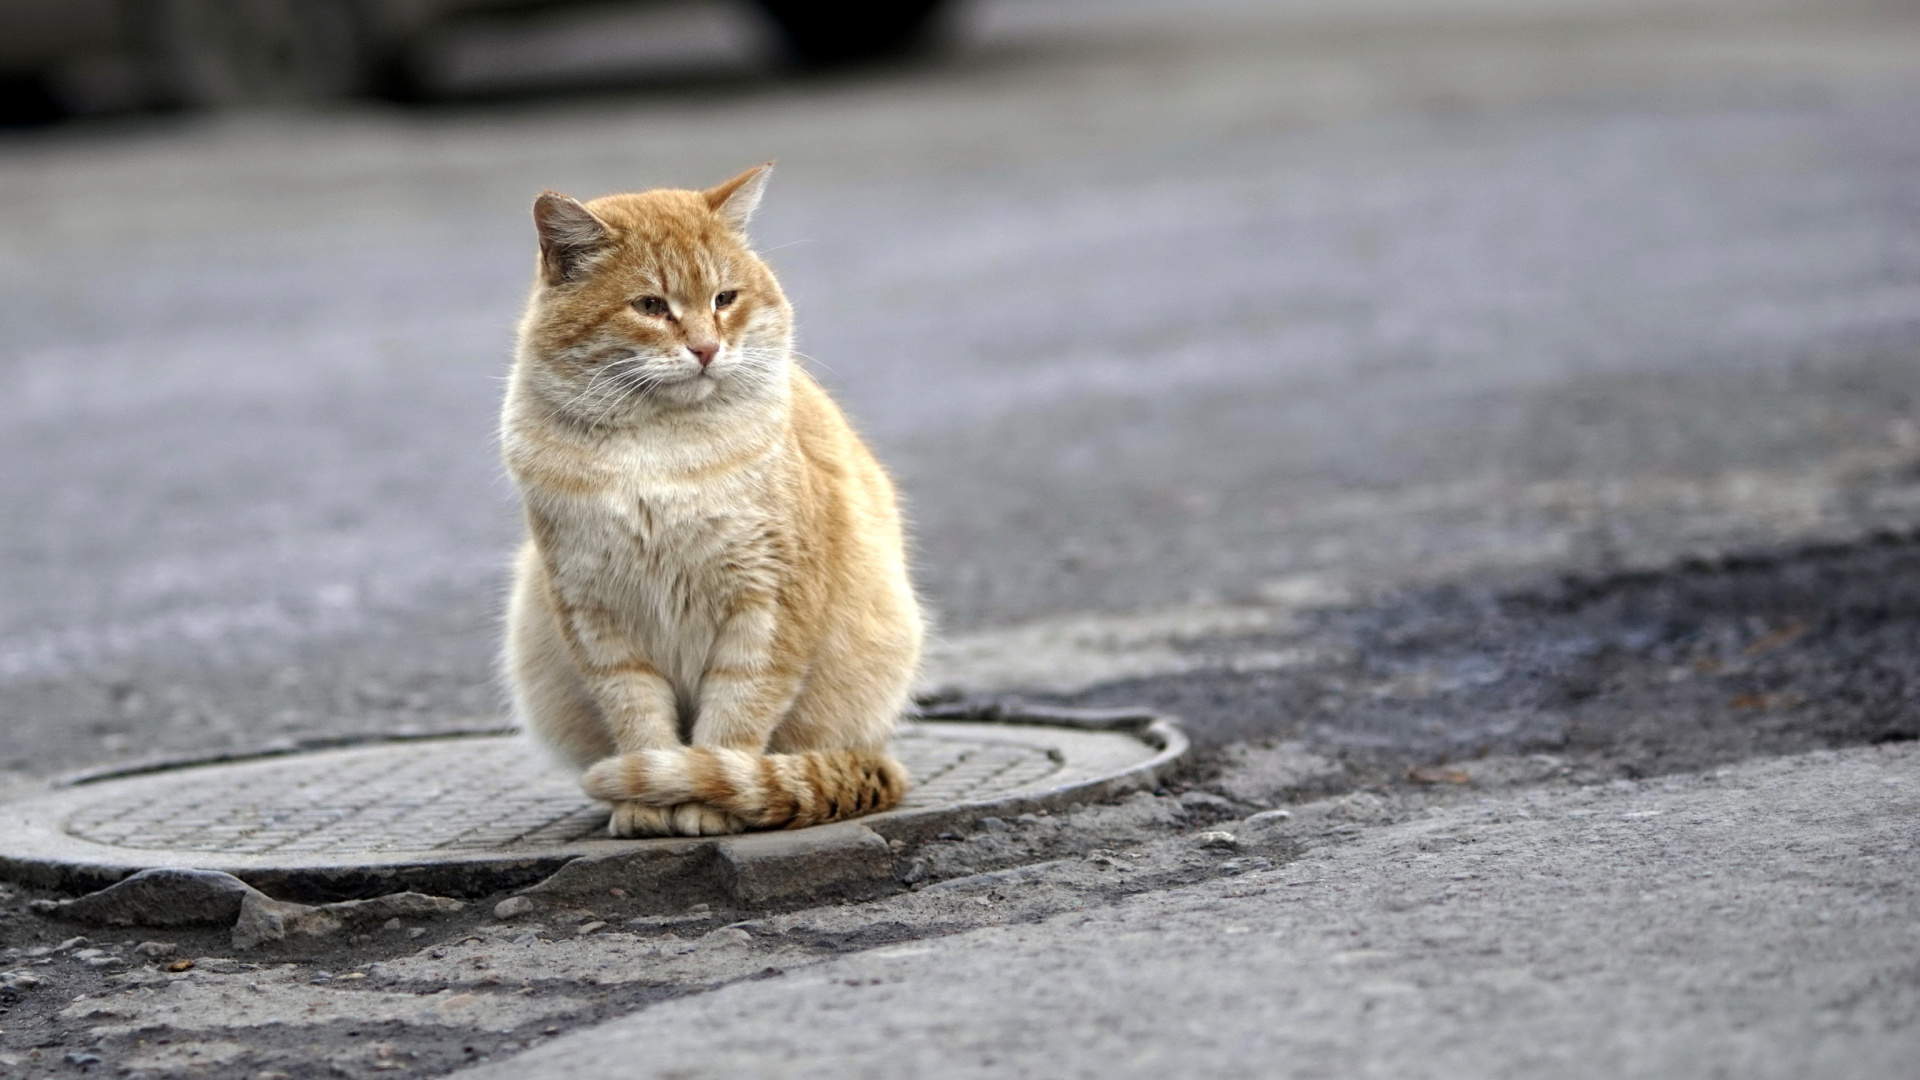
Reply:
x=663, y=543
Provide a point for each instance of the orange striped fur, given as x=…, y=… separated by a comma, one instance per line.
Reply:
x=711, y=616
x=761, y=790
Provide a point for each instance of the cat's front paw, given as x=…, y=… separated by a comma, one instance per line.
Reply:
x=699, y=819
x=633, y=819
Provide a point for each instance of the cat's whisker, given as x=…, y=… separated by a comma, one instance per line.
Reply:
x=606, y=401
x=622, y=388
x=760, y=361
x=604, y=379
x=591, y=392
x=814, y=360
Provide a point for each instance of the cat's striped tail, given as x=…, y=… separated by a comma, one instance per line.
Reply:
x=767, y=791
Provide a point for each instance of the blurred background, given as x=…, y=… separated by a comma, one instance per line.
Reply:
x=67, y=57
x=1164, y=313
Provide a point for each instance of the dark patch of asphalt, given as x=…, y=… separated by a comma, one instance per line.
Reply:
x=1634, y=674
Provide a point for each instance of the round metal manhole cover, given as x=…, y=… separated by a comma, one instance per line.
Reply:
x=479, y=804
x=457, y=795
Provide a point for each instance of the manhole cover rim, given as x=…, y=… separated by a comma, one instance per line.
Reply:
x=40, y=851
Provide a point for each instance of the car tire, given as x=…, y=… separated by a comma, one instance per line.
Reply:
x=835, y=33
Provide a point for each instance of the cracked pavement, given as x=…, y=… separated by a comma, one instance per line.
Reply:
x=1417, y=932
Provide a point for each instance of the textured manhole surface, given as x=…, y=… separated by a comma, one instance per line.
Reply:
x=469, y=813
x=465, y=795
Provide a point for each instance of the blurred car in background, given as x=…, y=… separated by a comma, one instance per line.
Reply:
x=215, y=53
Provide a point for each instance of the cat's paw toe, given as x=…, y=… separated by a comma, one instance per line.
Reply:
x=699, y=819
x=632, y=819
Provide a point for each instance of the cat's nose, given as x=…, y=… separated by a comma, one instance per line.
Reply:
x=704, y=352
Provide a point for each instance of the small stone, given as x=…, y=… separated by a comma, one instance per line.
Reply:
x=263, y=919
x=1028, y=819
x=727, y=935
x=72, y=943
x=1217, y=840
x=699, y=909
x=1205, y=800
x=993, y=824
x=154, y=950
x=76, y=1057
x=417, y=932
x=182, y=964
x=1267, y=819
x=512, y=907
x=162, y=896
x=391, y=924
x=586, y=928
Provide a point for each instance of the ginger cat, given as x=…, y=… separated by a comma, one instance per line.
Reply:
x=711, y=615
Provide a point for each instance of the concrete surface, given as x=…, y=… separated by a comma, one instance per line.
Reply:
x=1759, y=921
x=1756, y=920
x=1507, y=916
x=545, y=960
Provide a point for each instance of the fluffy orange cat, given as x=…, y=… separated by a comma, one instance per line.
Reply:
x=711, y=615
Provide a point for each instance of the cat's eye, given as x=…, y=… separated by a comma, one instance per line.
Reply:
x=725, y=298
x=651, y=305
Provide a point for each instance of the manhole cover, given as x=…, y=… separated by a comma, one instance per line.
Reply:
x=475, y=814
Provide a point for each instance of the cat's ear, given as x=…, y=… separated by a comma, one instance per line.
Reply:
x=736, y=199
x=569, y=235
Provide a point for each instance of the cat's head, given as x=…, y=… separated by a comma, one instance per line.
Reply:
x=653, y=301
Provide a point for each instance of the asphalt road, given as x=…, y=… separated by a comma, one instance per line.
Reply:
x=1389, y=377
x=1152, y=309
